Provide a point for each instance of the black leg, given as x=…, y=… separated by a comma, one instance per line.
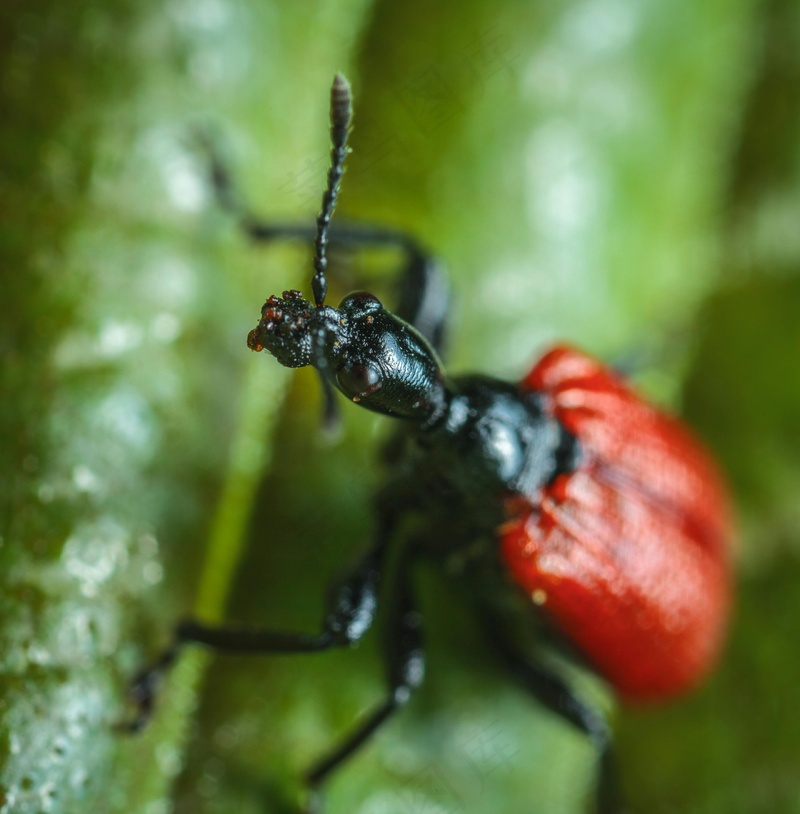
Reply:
x=405, y=662
x=351, y=610
x=423, y=294
x=423, y=299
x=557, y=696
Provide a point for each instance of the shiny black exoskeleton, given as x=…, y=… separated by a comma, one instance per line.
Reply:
x=369, y=354
x=463, y=448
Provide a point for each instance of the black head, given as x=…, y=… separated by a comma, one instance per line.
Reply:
x=370, y=355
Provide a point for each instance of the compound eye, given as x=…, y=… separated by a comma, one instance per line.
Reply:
x=358, y=380
x=360, y=302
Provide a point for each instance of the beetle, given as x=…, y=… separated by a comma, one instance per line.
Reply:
x=565, y=498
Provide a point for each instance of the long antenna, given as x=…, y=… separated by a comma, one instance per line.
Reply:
x=341, y=114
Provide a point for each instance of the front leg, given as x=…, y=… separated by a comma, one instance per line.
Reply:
x=351, y=610
x=423, y=296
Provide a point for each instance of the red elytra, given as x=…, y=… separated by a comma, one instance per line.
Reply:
x=629, y=556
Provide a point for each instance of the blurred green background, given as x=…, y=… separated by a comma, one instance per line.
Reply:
x=628, y=170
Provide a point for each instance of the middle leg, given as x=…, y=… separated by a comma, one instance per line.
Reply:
x=404, y=656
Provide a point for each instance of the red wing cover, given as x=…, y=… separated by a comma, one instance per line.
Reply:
x=628, y=556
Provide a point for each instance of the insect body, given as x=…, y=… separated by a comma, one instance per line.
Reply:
x=565, y=497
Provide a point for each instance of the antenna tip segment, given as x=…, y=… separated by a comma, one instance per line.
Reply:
x=341, y=103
